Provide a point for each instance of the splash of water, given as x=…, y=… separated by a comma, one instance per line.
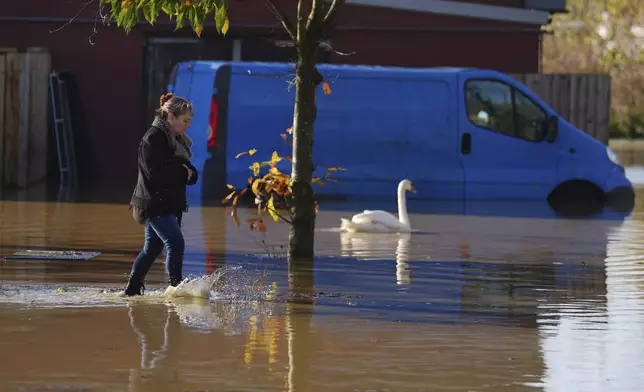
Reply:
x=228, y=283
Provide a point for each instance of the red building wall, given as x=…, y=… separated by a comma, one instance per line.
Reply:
x=109, y=73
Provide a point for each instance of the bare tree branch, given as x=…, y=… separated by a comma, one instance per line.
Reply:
x=327, y=46
x=332, y=12
x=71, y=20
x=315, y=16
x=282, y=17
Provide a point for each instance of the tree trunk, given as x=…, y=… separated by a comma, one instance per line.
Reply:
x=302, y=230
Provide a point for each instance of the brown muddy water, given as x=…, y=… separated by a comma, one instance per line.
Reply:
x=472, y=301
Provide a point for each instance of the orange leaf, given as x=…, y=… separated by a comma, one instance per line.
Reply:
x=250, y=180
x=255, y=186
x=284, y=136
x=235, y=200
x=198, y=31
x=228, y=197
x=326, y=88
x=261, y=226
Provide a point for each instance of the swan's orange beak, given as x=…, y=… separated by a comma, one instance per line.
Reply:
x=411, y=188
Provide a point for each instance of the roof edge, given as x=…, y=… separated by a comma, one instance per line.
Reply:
x=470, y=10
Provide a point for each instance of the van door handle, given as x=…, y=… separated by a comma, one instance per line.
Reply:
x=466, y=143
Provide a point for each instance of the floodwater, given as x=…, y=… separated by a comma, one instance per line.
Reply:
x=472, y=301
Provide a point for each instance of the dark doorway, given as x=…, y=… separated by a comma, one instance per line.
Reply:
x=161, y=53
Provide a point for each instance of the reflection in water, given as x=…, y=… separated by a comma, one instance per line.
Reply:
x=379, y=246
x=299, y=314
x=157, y=329
x=594, y=343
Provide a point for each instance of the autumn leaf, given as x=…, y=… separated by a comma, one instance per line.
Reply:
x=332, y=169
x=249, y=152
x=224, y=28
x=326, y=88
x=261, y=226
x=272, y=211
x=235, y=200
x=284, y=136
x=198, y=31
x=230, y=186
x=255, y=186
x=289, y=130
x=228, y=197
x=235, y=217
x=255, y=168
x=275, y=158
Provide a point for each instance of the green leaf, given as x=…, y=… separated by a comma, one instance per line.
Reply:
x=220, y=17
x=181, y=16
x=151, y=12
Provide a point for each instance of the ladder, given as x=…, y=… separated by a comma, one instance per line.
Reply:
x=63, y=130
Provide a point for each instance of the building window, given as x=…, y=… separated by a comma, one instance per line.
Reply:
x=501, y=108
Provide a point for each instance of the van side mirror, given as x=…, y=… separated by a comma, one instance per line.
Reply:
x=550, y=129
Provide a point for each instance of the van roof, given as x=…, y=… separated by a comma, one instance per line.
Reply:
x=271, y=67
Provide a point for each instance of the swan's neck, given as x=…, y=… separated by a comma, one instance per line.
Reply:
x=402, y=207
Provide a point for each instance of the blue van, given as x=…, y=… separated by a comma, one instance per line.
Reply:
x=457, y=133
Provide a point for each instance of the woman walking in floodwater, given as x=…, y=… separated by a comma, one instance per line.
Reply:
x=159, y=198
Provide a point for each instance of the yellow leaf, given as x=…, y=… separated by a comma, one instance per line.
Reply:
x=271, y=210
x=326, y=88
x=275, y=158
x=252, y=152
x=255, y=168
x=198, y=31
x=230, y=186
x=275, y=171
x=225, y=27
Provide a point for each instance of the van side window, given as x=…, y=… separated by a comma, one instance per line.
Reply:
x=489, y=105
x=529, y=117
x=504, y=109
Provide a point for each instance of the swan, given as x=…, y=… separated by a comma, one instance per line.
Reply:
x=377, y=221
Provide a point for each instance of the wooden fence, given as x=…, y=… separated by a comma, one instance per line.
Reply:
x=581, y=99
x=24, y=109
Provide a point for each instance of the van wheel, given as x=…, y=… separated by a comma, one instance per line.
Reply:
x=577, y=198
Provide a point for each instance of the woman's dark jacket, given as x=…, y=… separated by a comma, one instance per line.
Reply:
x=162, y=179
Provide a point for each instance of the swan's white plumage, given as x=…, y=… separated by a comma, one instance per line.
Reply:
x=378, y=221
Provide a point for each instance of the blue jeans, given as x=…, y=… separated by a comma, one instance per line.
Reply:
x=161, y=231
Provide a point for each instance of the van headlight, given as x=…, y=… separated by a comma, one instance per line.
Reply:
x=612, y=156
